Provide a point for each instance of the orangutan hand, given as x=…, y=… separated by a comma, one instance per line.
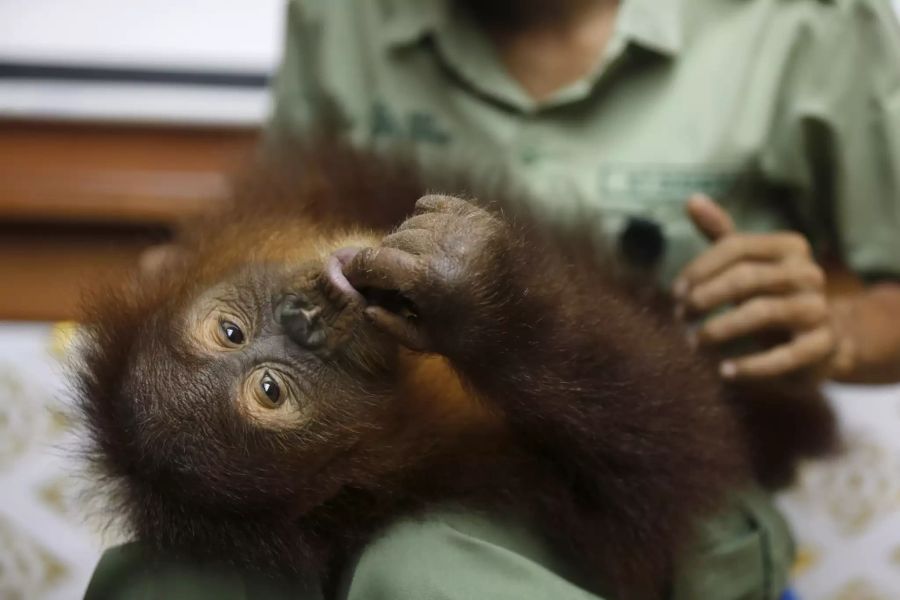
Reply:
x=448, y=260
x=772, y=284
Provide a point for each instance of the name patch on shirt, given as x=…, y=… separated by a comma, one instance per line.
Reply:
x=663, y=182
x=417, y=126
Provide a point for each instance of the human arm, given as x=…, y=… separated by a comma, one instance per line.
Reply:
x=865, y=319
x=833, y=143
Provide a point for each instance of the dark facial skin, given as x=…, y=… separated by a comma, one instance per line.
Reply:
x=282, y=333
x=260, y=378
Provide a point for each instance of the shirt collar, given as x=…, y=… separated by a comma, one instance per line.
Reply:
x=651, y=24
x=408, y=21
x=656, y=25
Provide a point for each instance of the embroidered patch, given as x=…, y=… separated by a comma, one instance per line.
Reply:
x=670, y=183
x=418, y=126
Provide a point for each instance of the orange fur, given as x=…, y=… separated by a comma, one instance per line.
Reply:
x=432, y=385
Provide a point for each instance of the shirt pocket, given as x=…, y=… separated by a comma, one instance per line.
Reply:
x=658, y=193
x=745, y=553
x=733, y=570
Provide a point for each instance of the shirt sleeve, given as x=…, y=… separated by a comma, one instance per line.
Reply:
x=839, y=135
x=434, y=560
x=133, y=572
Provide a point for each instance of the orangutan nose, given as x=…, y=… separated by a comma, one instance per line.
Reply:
x=301, y=321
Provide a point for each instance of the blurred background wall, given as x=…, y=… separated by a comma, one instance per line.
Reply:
x=225, y=37
x=117, y=118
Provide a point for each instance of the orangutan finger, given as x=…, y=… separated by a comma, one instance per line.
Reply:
x=383, y=269
x=405, y=330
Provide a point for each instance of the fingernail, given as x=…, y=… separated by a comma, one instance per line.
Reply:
x=679, y=288
x=728, y=370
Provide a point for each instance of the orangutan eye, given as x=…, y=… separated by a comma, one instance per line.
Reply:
x=269, y=395
x=232, y=333
x=270, y=390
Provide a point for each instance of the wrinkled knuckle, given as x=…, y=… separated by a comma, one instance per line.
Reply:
x=819, y=306
x=798, y=244
x=420, y=221
x=425, y=202
x=761, y=310
x=429, y=203
x=829, y=340
x=791, y=357
x=782, y=312
x=697, y=299
x=714, y=331
x=396, y=242
x=393, y=237
x=734, y=243
x=811, y=307
x=445, y=271
x=459, y=206
x=823, y=339
x=746, y=277
x=366, y=256
x=816, y=276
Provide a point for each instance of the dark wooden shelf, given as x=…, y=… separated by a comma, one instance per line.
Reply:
x=79, y=202
x=107, y=173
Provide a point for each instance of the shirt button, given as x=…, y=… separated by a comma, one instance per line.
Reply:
x=642, y=242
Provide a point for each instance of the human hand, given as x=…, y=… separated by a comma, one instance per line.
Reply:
x=774, y=285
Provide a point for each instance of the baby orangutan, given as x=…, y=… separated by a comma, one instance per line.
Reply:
x=301, y=376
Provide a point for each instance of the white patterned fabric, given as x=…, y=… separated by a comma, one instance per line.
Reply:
x=845, y=512
x=47, y=549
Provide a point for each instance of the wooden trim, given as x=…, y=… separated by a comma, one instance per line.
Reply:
x=80, y=202
x=44, y=273
x=65, y=172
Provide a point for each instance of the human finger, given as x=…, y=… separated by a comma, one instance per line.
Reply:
x=739, y=247
x=796, y=312
x=709, y=217
x=806, y=350
x=747, y=279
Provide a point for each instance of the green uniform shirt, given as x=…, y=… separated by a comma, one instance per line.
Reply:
x=459, y=555
x=786, y=111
